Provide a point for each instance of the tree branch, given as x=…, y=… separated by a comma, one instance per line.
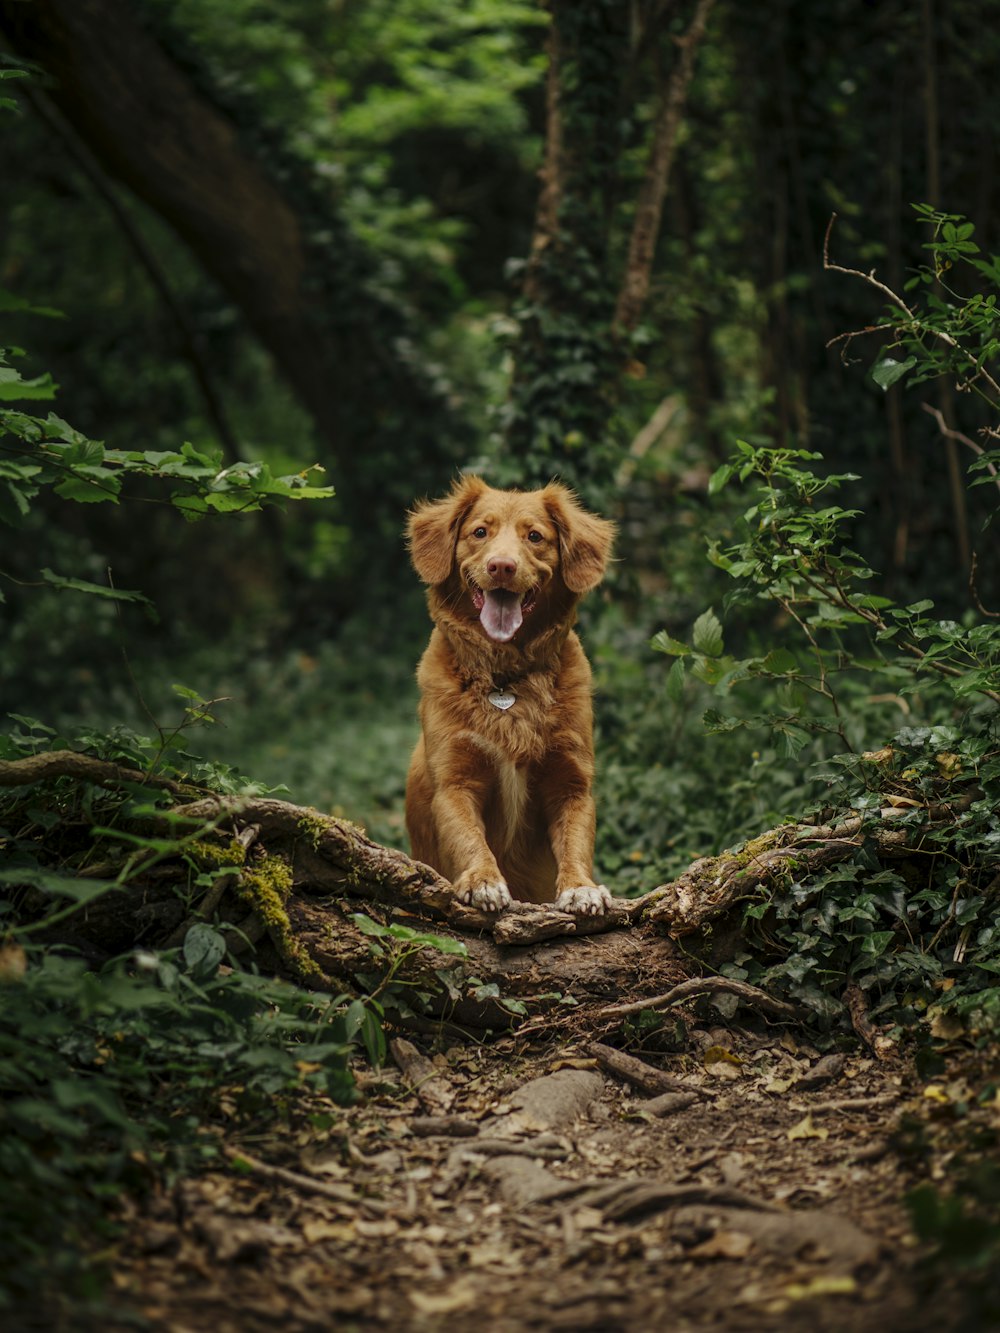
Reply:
x=649, y=206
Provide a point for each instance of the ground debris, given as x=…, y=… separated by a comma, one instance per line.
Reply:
x=551, y=1197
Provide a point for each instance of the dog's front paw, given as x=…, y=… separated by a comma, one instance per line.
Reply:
x=588, y=900
x=488, y=895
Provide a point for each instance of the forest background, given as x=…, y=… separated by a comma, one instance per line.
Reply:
x=400, y=240
x=406, y=142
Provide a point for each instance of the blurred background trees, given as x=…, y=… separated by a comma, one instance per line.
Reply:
x=396, y=238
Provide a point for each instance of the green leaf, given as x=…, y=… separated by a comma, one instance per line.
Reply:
x=875, y=944
x=14, y=389
x=354, y=1019
x=79, y=891
x=707, y=634
x=95, y=589
x=720, y=477
x=887, y=372
x=204, y=949
x=90, y=486
x=675, y=682
x=663, y=643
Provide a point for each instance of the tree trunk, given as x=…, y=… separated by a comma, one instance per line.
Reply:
x=278, y=249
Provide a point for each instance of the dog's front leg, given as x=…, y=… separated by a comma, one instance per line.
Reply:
x=572, y=824
x=457, y=810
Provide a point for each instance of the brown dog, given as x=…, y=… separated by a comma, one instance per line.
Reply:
x=498, y=797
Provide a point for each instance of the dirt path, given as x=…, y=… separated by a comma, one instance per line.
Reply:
x=526, y=1188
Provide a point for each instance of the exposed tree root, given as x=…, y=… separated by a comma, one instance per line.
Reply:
x=310, y=885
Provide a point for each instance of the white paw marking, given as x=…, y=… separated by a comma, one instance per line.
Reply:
x=588, y=900
x=486, y=896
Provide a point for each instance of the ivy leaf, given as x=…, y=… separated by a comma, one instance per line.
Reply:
x=888, y=371
x=204, y=950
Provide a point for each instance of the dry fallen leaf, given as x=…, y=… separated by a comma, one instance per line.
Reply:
x=460, y=1294
x=945, y=1024
x=935, y=1094
x=777, y=1085
x=318, y=1230
x=831, y=1285
x=723, y=1245
x=721, y=1063
x=805, y=1129
x=13, y=963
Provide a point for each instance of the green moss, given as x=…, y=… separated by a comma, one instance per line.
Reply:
x=265, y=887
x=212, y=856
x=756, y=847
x=313, y=825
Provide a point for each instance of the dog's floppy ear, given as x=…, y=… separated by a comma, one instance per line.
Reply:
x=432, y=529
x=584, y=539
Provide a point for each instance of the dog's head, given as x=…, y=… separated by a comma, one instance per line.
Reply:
x=499, y=556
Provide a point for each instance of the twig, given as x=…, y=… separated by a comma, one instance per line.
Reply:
x=852, y=1103
x=71, y=764
x=641, y=1075
x=897, y=301
x=705, y=986
x=629, y=1199
x=422, y=1076
x=974, y=590
x=445, y=1126
x=669, y=1103
x=340, y=1193
x=858, y=1009
x=514, y=1148
x=950, y=434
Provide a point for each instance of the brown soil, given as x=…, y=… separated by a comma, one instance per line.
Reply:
x=525, y=1188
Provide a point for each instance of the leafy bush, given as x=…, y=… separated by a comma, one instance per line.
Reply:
x=918, y=934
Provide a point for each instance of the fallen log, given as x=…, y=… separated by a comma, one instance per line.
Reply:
x=324, y=902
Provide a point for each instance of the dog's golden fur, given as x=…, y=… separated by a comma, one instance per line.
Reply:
x=499, y=801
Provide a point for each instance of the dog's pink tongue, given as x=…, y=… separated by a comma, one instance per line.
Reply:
x=501, y=615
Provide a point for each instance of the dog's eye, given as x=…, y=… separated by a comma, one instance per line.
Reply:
x=535, y=536
x=479, y=532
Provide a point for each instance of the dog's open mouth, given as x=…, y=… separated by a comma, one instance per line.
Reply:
x=501, y=612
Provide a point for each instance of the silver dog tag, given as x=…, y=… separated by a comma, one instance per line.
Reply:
x=501, y=699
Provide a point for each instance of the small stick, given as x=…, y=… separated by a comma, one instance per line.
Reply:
x=340, y=1193
x=641, y=1075
x=670, y=1103
x=445, y=1126
x=858, y=1010
x=422, y=1076
x=852, y=1103
x=705, y=986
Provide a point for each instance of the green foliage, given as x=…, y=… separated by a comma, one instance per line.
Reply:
x=793, y=553
x=113, y=1072
x=958, y=1221
x=390, y=947
x=50, y=453
x=950, y=333
x=138, y=1067
x=918, y=937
